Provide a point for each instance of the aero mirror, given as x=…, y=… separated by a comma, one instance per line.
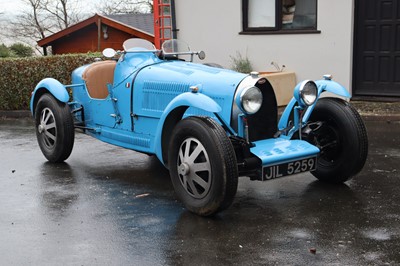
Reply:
x=202, y=55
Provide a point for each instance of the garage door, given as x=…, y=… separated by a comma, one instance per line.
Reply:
x=377, y=48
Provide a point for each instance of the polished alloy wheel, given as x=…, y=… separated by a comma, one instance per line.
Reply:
x=194, y=168
x=47, y=128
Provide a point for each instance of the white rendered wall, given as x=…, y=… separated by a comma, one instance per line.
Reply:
x=214, y=26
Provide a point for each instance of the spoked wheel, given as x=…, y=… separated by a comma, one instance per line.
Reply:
x=54, y=128
x=338, y=130
x=194, y=168
x=47, y=128
x=202, y=165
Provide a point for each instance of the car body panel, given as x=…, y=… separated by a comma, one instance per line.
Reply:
x=156, y=86
x=146, y=90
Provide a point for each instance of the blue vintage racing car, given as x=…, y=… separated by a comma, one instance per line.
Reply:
x=206, y=124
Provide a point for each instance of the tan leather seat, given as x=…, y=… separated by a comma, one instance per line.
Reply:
x=97, y=76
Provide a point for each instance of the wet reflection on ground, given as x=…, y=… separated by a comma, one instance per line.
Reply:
x=108, y=205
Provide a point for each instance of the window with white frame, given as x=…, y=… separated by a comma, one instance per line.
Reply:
x=279, y=16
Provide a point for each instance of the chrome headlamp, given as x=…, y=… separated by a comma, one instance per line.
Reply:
x=306, y=93
x=250, y=100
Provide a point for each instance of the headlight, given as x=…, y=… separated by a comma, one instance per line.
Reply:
x=306, y=93
x=250, y=100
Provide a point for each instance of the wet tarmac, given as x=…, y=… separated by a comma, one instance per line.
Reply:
x=111, y=206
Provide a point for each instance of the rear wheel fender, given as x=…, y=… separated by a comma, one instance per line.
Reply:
x=53, y=86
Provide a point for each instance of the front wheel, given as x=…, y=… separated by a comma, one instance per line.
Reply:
x=338, y=130
x=202, y=165
x=54, y=128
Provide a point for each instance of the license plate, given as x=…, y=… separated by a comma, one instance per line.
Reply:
x=291, y=168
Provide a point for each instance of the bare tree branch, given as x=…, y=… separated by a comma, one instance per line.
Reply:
x=125, y=7
x=42, y=18
x=66, y=12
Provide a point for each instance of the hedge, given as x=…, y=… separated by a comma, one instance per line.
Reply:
x=19, y=76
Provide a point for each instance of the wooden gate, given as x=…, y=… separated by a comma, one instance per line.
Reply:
x=377, y=48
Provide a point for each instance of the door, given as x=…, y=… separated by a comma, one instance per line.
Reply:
x=377, y=48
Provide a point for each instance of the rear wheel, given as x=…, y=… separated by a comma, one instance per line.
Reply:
x=338, y=130
x=54, y=128
x=202, y=165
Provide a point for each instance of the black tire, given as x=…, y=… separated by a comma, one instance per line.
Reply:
x=342, y=138
x=214, y=185
x=54, y=128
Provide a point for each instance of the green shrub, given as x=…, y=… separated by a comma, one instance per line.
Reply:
x=4, y=51
x=19, y=76
x=241, y=64
x=21, y=50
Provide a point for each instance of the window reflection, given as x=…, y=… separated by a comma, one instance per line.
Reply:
x=288, y=8
x=276, y=15
x=299, y=14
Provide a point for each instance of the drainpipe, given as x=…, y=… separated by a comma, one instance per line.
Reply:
x=174, y=29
